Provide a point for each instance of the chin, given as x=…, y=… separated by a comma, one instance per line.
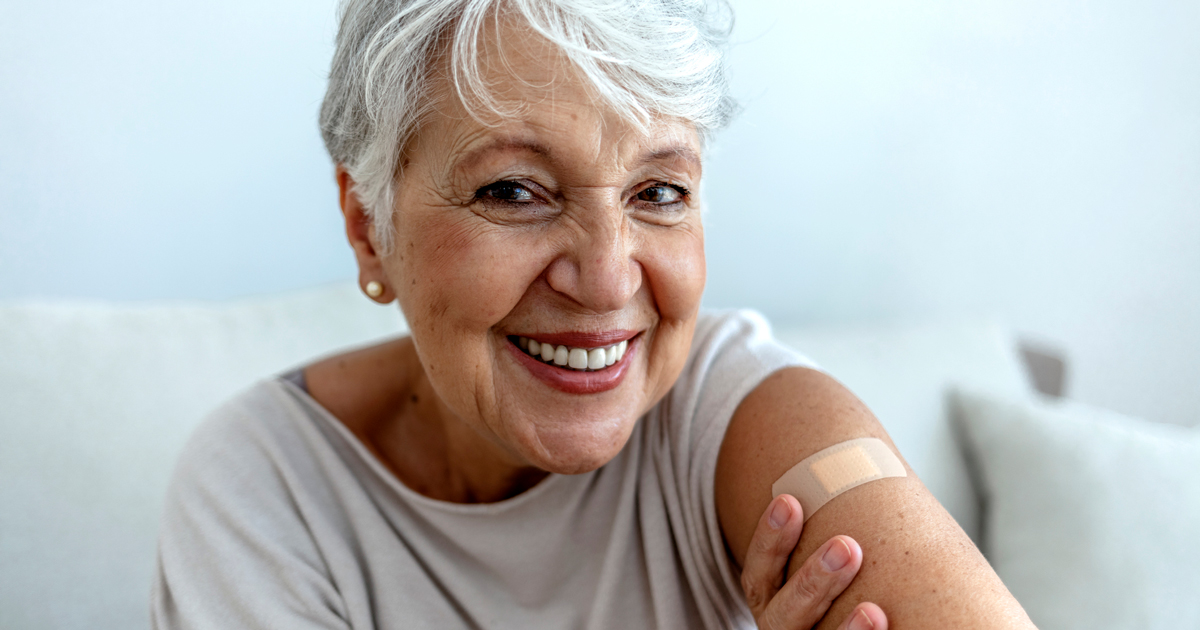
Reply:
x=578, y=449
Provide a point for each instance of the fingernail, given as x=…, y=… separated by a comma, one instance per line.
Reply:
x=779, y=514
x=836, y=557
x=861, y=621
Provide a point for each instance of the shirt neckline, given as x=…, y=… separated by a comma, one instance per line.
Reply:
x=544, y=486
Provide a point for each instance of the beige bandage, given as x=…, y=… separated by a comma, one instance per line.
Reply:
x=840, y=467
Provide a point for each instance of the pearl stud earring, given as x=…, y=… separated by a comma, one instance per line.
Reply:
x=374, y=289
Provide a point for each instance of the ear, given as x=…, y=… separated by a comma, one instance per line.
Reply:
x=360, y=231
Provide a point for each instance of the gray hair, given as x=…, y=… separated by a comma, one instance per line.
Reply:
x=644, y=58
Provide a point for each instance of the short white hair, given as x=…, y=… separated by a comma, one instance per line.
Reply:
x=644, y=58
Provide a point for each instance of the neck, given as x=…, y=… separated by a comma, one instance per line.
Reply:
x=434, y=452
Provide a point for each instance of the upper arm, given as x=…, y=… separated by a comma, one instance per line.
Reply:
x=918, y=564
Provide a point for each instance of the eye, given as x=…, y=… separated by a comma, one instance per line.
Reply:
x=662, y=194
x=507, y=192
x=510, y=202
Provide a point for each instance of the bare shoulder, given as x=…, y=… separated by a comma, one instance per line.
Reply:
x=792, y=414
x=918, y=564
x=364, y=385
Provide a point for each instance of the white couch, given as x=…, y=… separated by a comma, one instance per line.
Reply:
x=97, y=400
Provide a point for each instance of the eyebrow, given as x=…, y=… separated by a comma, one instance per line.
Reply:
x=503, y=145
x=513, y=144
x=680, y=151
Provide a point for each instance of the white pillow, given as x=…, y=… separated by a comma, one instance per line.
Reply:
x=1092, y=519
x=95, y=402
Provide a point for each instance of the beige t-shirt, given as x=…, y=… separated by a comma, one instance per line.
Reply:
x=278, y=517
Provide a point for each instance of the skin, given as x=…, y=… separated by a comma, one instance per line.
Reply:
x=921, y=568
x=567, y=218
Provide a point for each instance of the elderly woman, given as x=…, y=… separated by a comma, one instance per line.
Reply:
x=565, y=439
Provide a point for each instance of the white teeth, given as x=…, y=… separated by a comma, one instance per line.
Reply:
x=578, y=359
x=574, y=358
x=595, y=358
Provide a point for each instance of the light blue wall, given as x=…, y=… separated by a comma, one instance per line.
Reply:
x=1035, y=160
x=165, y=149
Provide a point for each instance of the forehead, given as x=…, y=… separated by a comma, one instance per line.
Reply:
x=530, y=97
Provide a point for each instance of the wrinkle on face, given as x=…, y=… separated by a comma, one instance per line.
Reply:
x=596, y=260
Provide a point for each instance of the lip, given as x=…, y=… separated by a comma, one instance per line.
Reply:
x=587, y=340
x=573, y=381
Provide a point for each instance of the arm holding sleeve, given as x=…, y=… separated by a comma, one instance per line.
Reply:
x=918, y=564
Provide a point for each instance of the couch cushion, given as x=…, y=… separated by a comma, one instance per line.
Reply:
x=1092, y=517
x=903, y=372
x=97, y=401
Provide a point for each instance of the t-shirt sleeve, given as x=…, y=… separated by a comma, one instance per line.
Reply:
x=732, y=353
x=235, y=550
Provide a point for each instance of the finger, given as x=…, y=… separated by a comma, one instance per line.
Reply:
x=810, y=591
x=865, y=616
x=774, y=539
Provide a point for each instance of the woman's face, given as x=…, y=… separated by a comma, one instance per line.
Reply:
x=564, y=225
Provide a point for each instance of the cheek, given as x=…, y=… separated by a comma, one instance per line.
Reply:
x=461, y=273
x=675, y=268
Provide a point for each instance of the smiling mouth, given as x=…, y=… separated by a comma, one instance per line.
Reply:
x=570, y=357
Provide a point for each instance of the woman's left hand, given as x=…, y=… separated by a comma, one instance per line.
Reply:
x=800, y=602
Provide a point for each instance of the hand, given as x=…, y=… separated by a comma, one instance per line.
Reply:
x=802, y=601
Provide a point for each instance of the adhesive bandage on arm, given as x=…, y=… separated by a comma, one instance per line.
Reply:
x=832, y=471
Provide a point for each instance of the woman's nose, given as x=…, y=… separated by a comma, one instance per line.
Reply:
x=597, y=268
